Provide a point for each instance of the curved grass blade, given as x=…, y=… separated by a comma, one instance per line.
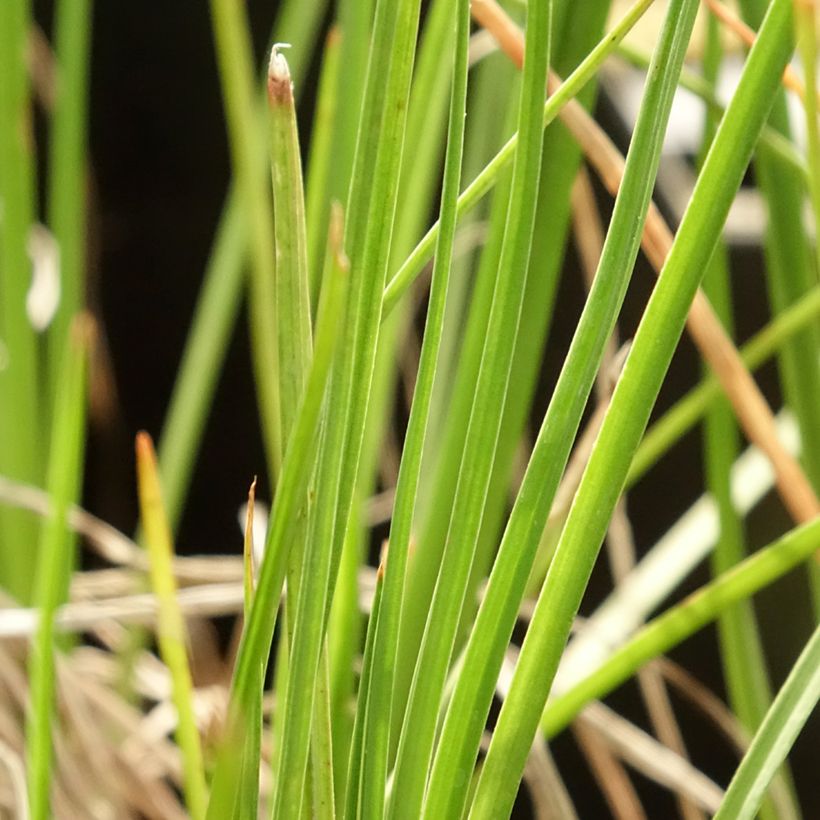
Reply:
x=791, y=709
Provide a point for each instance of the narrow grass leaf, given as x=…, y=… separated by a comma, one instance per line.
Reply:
x=171, y=632
x=791, y=709
x=55, y=563
x=234, y=54
x=20, y=433
x=418, y=731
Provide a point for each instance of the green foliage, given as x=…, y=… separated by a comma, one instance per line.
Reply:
x=382, y=681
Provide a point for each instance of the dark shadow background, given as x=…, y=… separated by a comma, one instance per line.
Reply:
x=160, y=171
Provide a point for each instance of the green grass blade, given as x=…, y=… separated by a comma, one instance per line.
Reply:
x=20, y=455
x=322, y=154
x=355, y=19
x=322, y=746
x=677, y=624
x=357, y=756
x=418, y=730
x=471, y=699
x=68, y=168
x=219, y=298
x=233, y=49
x=806, y=26
x=55, y=563
x=379, y=703
x=790, y=272
x=171, y=631
x=628, y=412
x=292, y=317
x=791, y=709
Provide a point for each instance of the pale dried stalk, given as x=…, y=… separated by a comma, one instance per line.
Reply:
x=209, y=600
x=750, y=407
x=610, y=774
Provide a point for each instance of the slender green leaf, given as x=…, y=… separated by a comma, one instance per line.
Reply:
x=55, y=564
x=791, y=709
x=171, y=631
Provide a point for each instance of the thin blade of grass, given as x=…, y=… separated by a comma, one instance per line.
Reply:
x=791, y=709
x=67, y=169
x=292, y=316
x=20, y=451
x=55, y=563
x=790, y=273
x=234, y=53
x=352, y=802
x=320, y=159
x=628, y=412
x=171, y=630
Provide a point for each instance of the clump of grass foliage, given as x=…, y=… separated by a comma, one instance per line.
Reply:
x=449, y=162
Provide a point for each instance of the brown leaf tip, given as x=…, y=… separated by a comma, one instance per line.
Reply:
x=280, y=87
